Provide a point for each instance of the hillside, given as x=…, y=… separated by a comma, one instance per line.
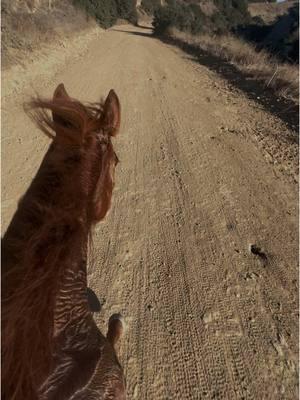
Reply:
x=29, y=25
x=269, y=12
x=266, y=10
x=283, y=37
x=275, y=28
x=270, y=26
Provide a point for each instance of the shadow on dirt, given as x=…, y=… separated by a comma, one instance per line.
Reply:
x=136, y=33
x=144, y=26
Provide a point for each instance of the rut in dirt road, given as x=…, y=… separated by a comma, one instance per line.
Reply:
x=196, y=186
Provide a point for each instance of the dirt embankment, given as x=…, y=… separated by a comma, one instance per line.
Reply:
x=38, y=37
x=32, y=25
x=204, y=174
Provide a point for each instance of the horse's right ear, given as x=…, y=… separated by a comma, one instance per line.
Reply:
x=60, y=93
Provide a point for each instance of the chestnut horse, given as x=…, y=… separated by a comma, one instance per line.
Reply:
x=51, y=346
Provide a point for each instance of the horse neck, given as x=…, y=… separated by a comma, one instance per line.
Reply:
x=44, y=245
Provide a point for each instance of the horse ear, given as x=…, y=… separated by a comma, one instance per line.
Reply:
x=60, y=92
x=111, y=116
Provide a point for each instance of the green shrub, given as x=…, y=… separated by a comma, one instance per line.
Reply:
x=126, y=9
x=219, y=23
x=185, y=17
x=231, y=13
x=164, y=18
x=106, y=12
x=150, y=5
x=190, y=18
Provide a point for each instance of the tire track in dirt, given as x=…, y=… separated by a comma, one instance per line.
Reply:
x=217, y=368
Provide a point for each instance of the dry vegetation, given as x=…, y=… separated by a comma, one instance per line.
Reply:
x=269, y=12
x=208, y=7
x=282, y=77
x=28, y=25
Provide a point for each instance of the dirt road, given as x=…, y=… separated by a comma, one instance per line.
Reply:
x=204, y=173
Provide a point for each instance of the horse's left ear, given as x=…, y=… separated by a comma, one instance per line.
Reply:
x=60, y=92
x=61, y=120
x=111, y=116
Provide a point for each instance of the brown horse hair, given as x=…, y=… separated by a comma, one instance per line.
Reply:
x=49, y=230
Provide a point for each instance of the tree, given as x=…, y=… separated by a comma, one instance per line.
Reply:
x=106, y=12
x=185, y=17
x=150, y=5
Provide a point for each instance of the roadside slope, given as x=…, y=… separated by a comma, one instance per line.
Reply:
x=203, y=174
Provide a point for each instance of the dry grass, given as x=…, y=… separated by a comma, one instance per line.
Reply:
x=29, y=24
x=283, y=78
x=269, y=12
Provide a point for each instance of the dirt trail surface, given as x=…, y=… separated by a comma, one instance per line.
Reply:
x=204, y=173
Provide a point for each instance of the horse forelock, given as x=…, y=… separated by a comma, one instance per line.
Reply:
x=71, y=120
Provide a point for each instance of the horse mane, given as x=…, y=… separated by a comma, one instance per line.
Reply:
x=38, y=243
x=73, y=119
